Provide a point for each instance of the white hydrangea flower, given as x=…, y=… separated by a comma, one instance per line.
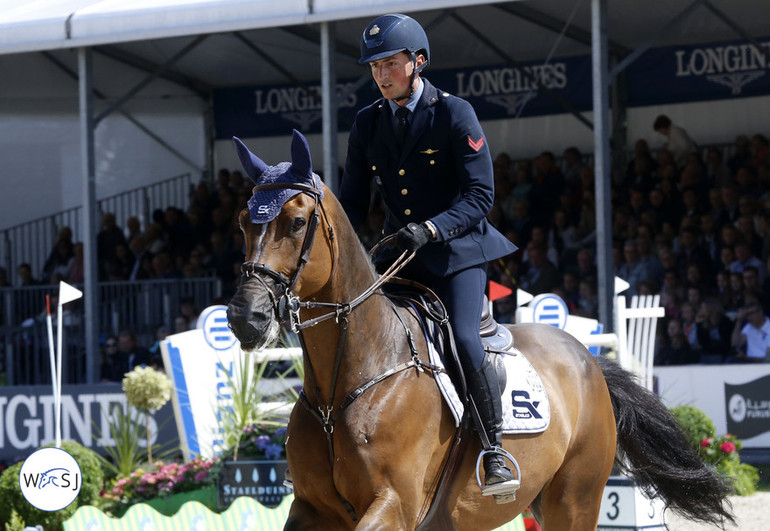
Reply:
x=147, y=388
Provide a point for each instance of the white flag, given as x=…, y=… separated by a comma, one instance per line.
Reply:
x=523, y=297
x=621, y=285
x=68, y=293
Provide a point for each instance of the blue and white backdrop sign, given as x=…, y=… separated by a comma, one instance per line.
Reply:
x=670, y=74
x=201, y=365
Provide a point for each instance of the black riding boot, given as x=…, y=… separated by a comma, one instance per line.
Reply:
x=484, y=389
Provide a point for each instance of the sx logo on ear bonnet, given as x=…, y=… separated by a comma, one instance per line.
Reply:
x=264, y=205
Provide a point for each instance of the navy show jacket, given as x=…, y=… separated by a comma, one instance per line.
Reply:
x=443, y=174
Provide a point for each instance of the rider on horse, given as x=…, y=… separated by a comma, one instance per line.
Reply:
x=427, y=153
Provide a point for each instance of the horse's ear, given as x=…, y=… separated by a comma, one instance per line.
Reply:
x=252, y=165
x=300, y=157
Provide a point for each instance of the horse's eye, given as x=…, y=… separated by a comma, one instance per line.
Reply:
x=298, y=224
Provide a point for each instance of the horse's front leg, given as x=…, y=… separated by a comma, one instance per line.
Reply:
x=386, y=513
x=304, y=517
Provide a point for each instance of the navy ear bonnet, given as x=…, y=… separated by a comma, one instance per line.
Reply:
x=264, y=205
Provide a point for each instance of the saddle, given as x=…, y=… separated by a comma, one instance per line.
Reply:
x=430, y=309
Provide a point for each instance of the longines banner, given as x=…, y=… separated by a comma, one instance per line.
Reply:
x=710, y=71
x=670, y=74
x=27, y=418
x=496, y=92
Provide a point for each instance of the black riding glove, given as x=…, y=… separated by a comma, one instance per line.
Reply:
x=413, y=236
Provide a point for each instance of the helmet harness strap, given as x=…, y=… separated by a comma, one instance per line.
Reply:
x=415, y=70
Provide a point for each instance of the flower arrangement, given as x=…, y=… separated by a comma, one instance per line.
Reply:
x=722, y=452
x=161, y=479
x=148, y=389
x=260, y=442
x=714, y=449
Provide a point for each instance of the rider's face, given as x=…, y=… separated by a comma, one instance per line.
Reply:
x=392, y=75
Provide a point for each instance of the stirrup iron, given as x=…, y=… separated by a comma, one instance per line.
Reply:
x=287, y=481
x=504, y=492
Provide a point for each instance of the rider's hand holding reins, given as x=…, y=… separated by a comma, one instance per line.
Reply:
x=413, y=236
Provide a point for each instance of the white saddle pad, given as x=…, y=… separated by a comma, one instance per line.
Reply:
x=525, y=402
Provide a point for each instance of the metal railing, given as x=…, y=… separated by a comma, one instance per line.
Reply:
x=140, y=306
x=32, y=241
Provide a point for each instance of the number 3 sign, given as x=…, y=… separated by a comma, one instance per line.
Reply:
x=624, y=506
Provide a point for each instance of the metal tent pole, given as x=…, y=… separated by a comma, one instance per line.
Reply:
x=329, y=105
x=603, y=171
x=88, y=164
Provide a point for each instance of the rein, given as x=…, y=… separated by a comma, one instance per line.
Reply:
x=287, y=305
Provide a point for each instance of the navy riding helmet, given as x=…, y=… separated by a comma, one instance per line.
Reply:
x=387, y=35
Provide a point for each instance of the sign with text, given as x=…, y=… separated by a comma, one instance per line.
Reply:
x=624, y=506
x=27, y=418
x=669, y=74
x=748, y=408
x=735, y=397
x=709, y=71
x=495, y=91
x=201, y=376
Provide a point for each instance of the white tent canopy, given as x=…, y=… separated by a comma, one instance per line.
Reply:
x=50, y=24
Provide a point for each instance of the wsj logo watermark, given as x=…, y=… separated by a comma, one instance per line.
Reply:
x=50, y=479
x=748, y=408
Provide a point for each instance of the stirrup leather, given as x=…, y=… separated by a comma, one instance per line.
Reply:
x=505, y=491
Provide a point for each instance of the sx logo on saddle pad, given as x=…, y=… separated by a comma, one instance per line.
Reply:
x=529, y=406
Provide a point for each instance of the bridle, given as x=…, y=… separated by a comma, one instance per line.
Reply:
x=286, y=303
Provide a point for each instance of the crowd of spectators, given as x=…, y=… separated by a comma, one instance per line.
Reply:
x=202, y=241
x=694, y=229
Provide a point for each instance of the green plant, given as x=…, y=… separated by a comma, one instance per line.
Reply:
x=16, y=522
x=252, y=409
x=722, y=452
x=695, y=424
x=147, y=389
x=126, y=455
x=13, y=499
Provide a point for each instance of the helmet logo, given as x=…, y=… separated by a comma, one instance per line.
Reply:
x=375, y=30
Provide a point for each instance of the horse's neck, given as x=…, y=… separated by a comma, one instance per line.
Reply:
x=365, y=338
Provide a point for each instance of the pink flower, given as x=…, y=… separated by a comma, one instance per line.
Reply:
x=727, y=447
x=200, y=476
x=706, y=442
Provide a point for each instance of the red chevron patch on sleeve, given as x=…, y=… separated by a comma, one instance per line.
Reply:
x=475, y=144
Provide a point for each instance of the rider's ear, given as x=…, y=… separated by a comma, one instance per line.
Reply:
x=252, y=165
x=301, y=164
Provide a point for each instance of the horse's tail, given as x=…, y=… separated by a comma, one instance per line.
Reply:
x=658, y=456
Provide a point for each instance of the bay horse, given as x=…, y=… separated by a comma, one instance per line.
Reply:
x=368, y=441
